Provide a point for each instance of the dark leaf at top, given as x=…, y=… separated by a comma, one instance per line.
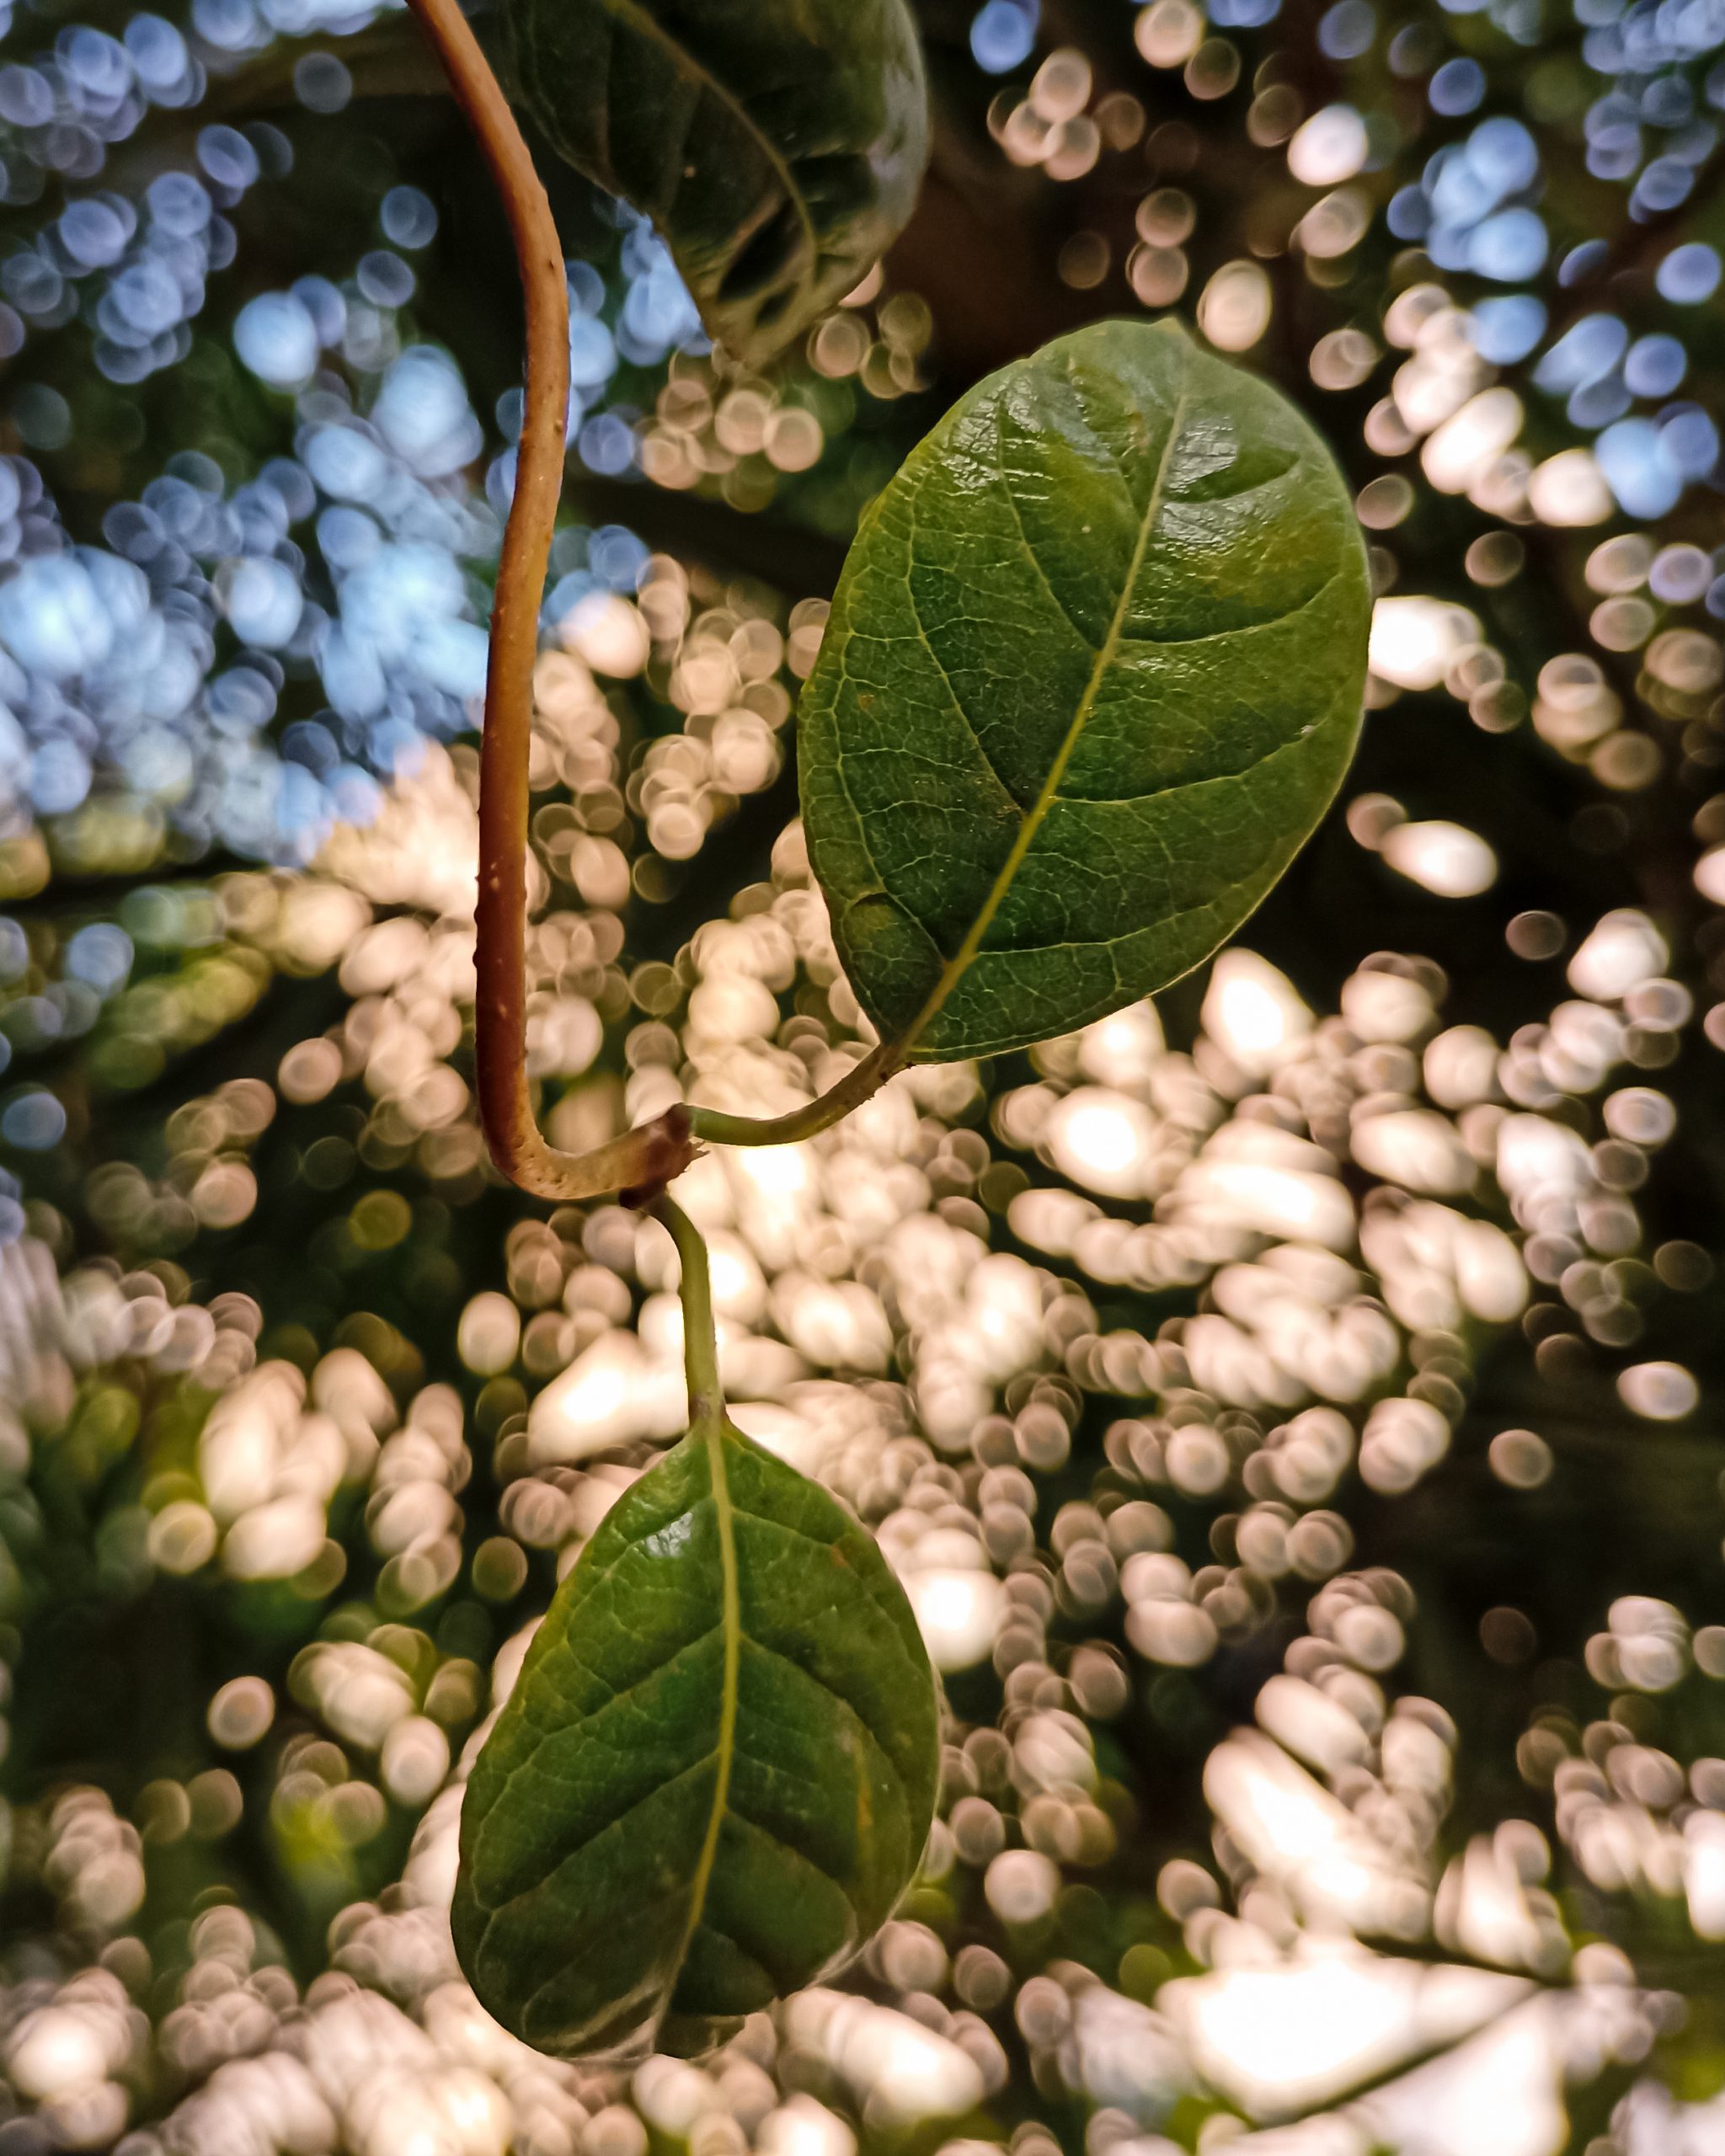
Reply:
x=777, y=145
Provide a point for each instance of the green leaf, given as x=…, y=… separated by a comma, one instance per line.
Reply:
x=1094, y=671
x=777, y=145
x=715, y=1773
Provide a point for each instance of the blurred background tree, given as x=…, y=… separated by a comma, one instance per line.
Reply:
x=1293, y=1409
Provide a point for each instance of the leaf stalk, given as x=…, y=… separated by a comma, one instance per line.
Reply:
x=700, y=1334
x=708, y=1127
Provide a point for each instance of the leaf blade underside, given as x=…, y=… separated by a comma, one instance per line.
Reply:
x=715, y=1773
x=776, y=145
x=1094, y=671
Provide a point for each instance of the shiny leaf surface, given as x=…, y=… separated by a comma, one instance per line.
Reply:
x=777, y=145
x=1093, y=673
x=716, y=1772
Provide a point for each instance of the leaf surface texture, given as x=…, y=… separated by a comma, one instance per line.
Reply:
x=715, y=1773
x=1094, y=670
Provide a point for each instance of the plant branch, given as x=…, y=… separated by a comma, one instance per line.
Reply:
x=700, y=1338
x=708, y=1127
x=647, y=1158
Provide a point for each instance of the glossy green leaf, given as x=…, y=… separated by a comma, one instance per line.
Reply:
x=1094, y=670
x=715, y=1773
x=777, y=145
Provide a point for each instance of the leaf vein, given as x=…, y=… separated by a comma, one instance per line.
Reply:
x=568, y=1855
x=1035, y=559
x=1032, y=822
x=926, y=641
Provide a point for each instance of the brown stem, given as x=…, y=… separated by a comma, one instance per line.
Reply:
x=645, y=1159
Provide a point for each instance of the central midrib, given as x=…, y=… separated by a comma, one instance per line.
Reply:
x=725, y=1749
x=956, y=966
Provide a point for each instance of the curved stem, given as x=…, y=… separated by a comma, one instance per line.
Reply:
x=700, y=1338
x=649, y=1156
x=708, y=1127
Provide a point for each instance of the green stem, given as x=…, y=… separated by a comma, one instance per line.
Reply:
x=700, y=1338
x=707, y=1127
